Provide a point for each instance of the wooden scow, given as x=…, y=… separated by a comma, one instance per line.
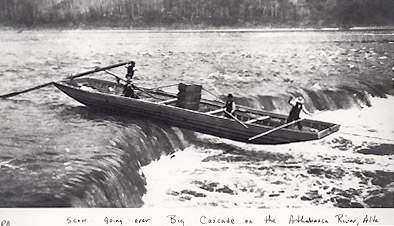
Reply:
x=205, y=116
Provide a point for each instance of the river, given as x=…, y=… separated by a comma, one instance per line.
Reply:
x=55, y=152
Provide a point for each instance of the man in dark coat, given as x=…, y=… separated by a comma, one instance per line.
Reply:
x=128, y=90
x=229, y=106
x=130, y=70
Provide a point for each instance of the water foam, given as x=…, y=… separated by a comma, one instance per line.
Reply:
x=218, y=172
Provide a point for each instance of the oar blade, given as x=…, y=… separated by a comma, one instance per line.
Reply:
x=25, y=91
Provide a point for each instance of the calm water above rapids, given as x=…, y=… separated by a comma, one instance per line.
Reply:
x=56, y=152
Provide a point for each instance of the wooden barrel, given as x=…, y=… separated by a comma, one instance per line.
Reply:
x=189, y=88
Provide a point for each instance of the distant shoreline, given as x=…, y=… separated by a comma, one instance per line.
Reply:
x=198, y=30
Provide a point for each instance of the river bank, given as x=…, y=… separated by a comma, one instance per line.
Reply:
x=195, y=28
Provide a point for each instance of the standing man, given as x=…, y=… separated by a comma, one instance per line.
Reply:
x=298, y=105
x=130, y=70
x=128, y=87
x=230, y=106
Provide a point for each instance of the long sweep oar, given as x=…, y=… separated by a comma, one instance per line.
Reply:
x=275, y=129
x=232, y=116
x=25, y=91
x=97, y=69
x=133, y=84
x=239, y=121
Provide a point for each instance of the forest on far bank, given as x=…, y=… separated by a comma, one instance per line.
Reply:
x=196, y=13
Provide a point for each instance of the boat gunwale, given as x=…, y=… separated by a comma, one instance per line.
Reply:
x=330, y=126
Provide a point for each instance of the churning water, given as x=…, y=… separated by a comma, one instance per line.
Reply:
x=56, y=152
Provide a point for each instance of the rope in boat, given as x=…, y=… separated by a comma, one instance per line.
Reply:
x=160, y=87
x=217, y=97
x=166, y=86
x=146, y=92
x=359, y=135
x=134, y=86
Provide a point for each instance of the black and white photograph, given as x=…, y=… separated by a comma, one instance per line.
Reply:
x=217, y=104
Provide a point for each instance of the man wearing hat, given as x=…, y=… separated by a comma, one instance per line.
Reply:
x=298, y=105
x=230, y=106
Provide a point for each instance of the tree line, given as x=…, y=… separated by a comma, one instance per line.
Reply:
x=173, y=13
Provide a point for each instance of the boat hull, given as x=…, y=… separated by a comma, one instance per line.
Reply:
x=187, y=119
